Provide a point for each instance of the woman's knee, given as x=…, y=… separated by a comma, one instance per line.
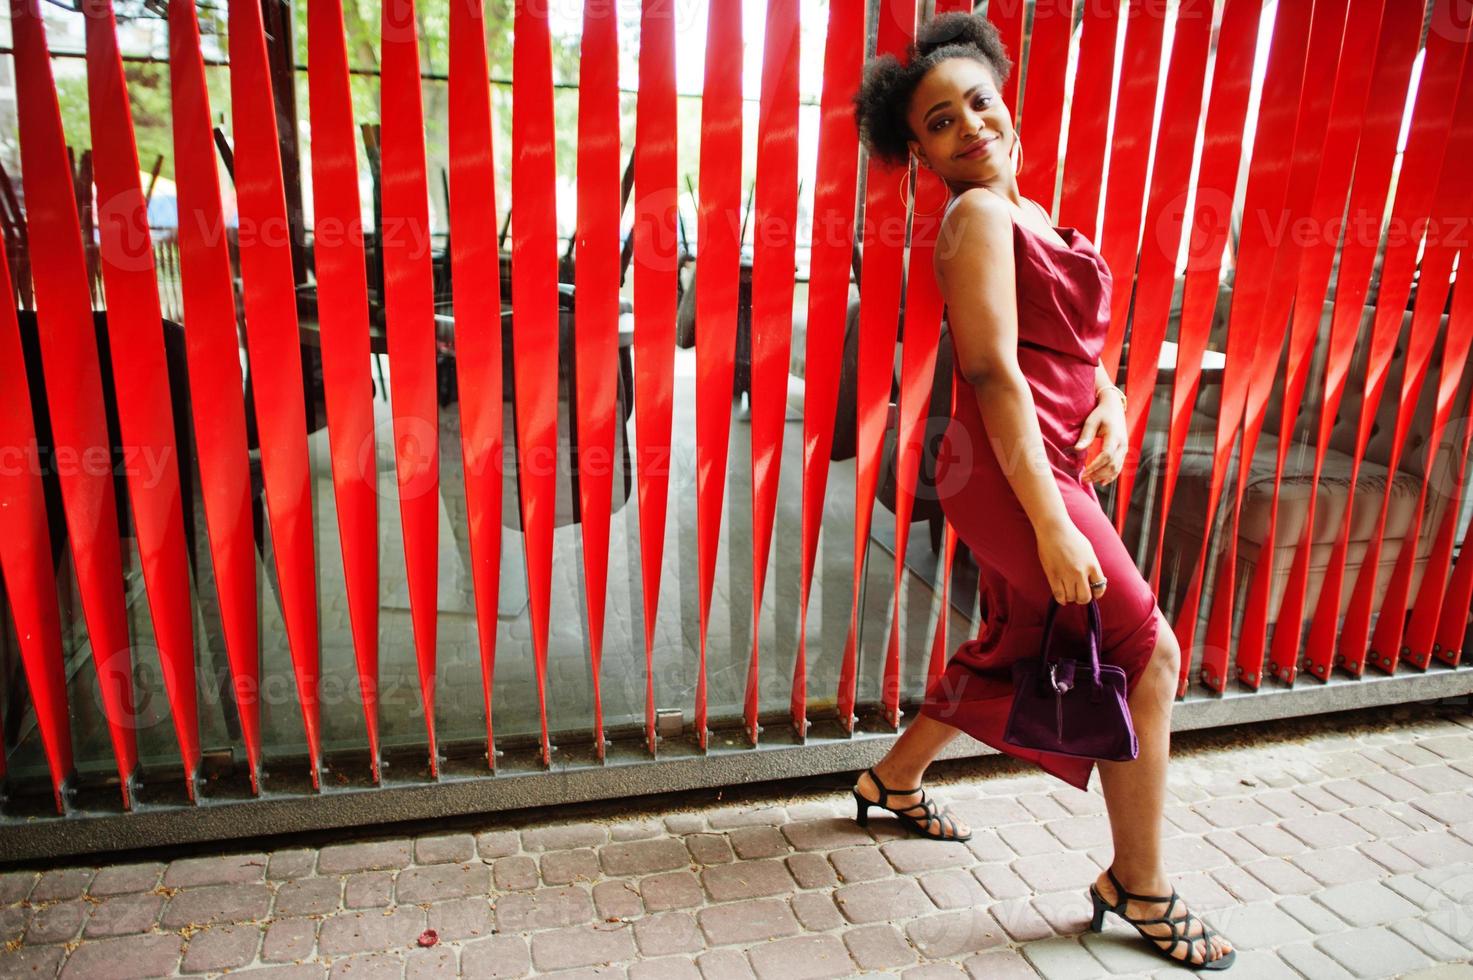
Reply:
x=1167, y=655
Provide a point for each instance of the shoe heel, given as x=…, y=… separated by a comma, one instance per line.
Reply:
x=861, y=808
x=1097, y=923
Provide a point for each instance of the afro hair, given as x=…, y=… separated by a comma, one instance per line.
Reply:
x=883, y=101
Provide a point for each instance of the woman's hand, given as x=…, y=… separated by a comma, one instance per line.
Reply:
x=1069, y=562
x=1107, y=423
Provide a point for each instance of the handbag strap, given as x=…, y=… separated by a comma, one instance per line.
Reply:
x=1096, y=635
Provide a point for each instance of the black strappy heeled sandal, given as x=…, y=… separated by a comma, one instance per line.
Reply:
x=1177, y=936
x=920, y=824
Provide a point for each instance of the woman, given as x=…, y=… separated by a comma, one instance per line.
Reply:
x=1028, y=307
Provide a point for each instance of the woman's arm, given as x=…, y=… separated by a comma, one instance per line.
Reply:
x=977, y=279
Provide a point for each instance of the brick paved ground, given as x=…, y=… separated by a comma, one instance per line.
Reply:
x=1331, y=847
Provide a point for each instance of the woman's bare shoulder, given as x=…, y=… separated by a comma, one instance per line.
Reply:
x=978, y=223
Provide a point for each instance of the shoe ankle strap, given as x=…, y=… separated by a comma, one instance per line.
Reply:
x=1122, y=894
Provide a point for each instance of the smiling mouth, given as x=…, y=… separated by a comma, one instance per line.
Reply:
x=977, y=149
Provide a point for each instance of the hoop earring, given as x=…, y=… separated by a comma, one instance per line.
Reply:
x=1017, y=154
x=906, y=201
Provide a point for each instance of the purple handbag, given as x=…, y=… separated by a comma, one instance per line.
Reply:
x=1071, y=706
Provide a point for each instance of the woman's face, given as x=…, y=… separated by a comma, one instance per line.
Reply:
x=961, y=128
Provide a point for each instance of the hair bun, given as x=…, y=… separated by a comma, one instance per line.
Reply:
x=956, y=28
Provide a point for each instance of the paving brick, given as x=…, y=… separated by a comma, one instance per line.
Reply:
x=361, y=932
x=31, y=961
x=13, y=923
x=564, y=837
x=953, y=888
x=543, y=908
x=221, y=948
x=388, y=855
x=879, y=901
x=1372, y=952
x=461, y=918
x=1234, y=811
x=220, y=869
x=801, y=958
x=439, y=963
x=444, y=849
x=586, y=945
x=999, y=964
x=125, y=958
x=1190, y=853
x=16, y=885
x=213, y=904
x=1312, y=915
x=1079, y=832
x=816, y=910
x=1435, y=943
x=1056, y=872
x=715, y=848
x=122, y=879
x=1272, y=840
x=1020, y=920
x=752, y=842
x=749, y=921
x=1065, y=912
x=1435, y=849
x=936, y=971
x=1260, y=925
x=668, y=932
x=515, y=873
x=617, y=899
x=57, y=923
x=665, y=968
x=441, y=881
x=1337, y=865
x=724, y=964
x=1122, y=952
x=497, y=844
x=1062, y=958
x=1241, y=885
x=747, y=815
x=864, y=863
x=685, y=823
x=566, y=867
x=1448, y=808
x=811, y=870
x=1323, y=830
x=747, y=879
x=986, y=845
x=643, y=856
x=56, y=886
x=676, y=890
x=309, y=896
x=826, y=835
x=495, y=957
x=289, y=939
x=1043, y=806
x=296, y=862
x=1001, y=881
x=1388, y=857
x=637, y=829
x=381, y=965
x=950, y=934
x=368, y=890
x=123, y=915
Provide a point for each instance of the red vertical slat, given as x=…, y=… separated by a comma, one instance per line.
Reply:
x=215, y=384
x=1374, y=158
x=1084, y=162
x=1007, y=17
x=879, y=313
x=655, y=286
x=477, y=299
x=1421, y=163
x=830, y=258
x=716, y=300
x=1039, y=113
x=1268, y=171
x=145, y=403
x=25, y=552
x=1165, y=222
x=409, y=312
x=923, y=304
x=1450, y=211
x=1211, y=210
x=535, y=317
x=597, y=316
x=1130, y=152
x=772, y=297
x=275, y=351
x=1347, y=125
x=1270, y=308
x=73, y=380
x=343, y=319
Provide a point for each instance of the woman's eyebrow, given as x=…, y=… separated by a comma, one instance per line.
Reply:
x=944, y=103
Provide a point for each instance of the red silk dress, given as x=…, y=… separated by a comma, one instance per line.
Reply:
x=1063, y=315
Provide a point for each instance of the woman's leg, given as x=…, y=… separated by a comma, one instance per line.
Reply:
x=904, y=766
x=1135, y=796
